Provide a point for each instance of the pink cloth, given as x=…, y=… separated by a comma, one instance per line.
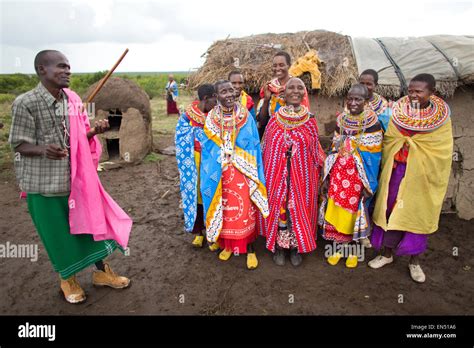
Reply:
x=91, y=209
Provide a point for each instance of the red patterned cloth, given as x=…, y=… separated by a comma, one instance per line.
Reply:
x=240, y=214
x=345, y=185
x=330, y=233
x=286, y=237
x=345, y=190
x=306, y=161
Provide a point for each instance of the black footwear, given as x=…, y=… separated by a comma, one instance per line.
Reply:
x=279, y=257
x=295, y=257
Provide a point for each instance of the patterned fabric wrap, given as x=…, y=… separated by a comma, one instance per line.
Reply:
x=306, y=162
x=189, y=131
x=247, y=158
x=366, y=154
x=424, y=186
x=239, y=211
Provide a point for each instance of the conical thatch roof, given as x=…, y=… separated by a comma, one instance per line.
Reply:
x=449, y=58
x=255, y=54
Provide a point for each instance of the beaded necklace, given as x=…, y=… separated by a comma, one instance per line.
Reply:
x=227, y=118
x=413, y=118
x=195, y=114
x=349, y=124
x=288, y=118
x=377, y=103
x=277, y=89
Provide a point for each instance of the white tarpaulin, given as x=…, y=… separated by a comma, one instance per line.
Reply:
x=459, y=50
x=448, y=58
x=417, y=55
x=369, y=55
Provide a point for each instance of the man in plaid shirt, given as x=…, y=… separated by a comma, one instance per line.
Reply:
x=39, y=136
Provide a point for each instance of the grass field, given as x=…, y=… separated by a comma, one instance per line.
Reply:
x=162, y=125
x=153, y=83
x=6, y=155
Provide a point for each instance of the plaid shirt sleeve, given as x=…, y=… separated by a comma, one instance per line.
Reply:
x=23, y=128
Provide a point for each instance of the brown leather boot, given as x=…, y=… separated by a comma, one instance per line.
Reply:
x=73, y=293
x=109, y=278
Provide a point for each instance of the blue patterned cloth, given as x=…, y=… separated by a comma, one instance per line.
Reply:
x=247, y=159
x=188, y=173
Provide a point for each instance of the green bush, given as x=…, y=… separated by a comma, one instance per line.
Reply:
x=17, y=83
x=81, y=82
x=153, y=83
x=7, y=98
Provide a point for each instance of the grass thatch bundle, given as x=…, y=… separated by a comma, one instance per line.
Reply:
x=254, y=55
x=119, y=93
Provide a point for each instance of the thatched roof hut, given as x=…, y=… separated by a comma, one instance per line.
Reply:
x=254, y=55
x=449, y=58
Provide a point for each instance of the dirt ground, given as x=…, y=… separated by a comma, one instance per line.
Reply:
x=170, y=277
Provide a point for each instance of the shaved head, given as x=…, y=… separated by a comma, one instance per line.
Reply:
x=296, y=79
x=53, y=69
x=359, y=89
x=44, y=58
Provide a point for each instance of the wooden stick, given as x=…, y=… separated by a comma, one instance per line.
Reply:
x=104, y=80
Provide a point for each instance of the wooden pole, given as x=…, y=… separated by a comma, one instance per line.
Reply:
x=104, y=80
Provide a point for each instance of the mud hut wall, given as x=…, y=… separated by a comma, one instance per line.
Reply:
x=135, y=136
x=325, y=110
x=460, y=195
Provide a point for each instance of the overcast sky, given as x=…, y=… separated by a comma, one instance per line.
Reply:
x=166, y=35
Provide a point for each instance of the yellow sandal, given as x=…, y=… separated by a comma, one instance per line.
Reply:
x=197, y=242
x=224, y=255
x=252, y=261
x=351, y=261
x=214, y=246
x=334, y=259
